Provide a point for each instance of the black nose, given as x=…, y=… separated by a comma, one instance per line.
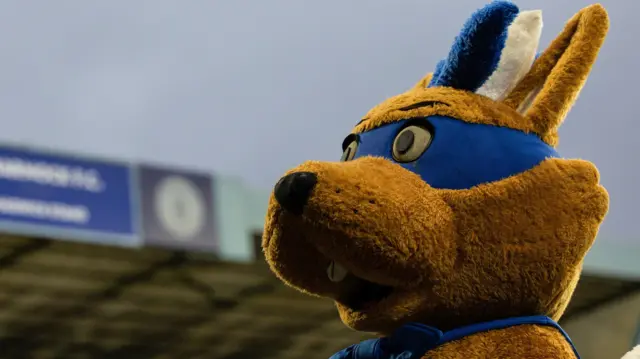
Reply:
x=292, y=191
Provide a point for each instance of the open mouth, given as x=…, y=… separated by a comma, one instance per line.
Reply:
x=358, y=293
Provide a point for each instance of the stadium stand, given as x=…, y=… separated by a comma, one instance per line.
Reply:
x=71, y=300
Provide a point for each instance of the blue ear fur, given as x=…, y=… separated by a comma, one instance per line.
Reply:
x=438, y=71
x=475, y=54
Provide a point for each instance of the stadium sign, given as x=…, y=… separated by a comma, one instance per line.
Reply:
x=58, y=196
x=177, y=209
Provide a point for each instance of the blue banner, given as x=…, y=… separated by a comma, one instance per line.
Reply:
x=64, y=196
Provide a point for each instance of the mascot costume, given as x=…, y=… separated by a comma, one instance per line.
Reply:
x=451, y=226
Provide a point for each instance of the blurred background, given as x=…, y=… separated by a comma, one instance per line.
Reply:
x=141, y=140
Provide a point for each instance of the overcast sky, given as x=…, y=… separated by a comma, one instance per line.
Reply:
x=251, y=88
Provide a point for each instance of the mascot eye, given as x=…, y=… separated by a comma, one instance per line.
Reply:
x=349, y=147
x=411, y=143
x=350, y=151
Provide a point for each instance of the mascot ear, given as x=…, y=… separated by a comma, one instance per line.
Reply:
x=549, y=89
x=475, y=53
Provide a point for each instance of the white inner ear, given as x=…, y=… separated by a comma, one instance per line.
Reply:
x=523, y=36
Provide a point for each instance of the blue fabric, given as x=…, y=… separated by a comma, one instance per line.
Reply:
x=462, y=155
x=476, y=51
x=413, y=340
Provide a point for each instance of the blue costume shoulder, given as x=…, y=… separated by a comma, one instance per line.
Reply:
x=412, y=341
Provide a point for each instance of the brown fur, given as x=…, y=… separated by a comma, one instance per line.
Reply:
x=527, y=341
x=509, y=248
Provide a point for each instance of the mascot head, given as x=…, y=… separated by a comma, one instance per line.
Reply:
x=450, y=205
